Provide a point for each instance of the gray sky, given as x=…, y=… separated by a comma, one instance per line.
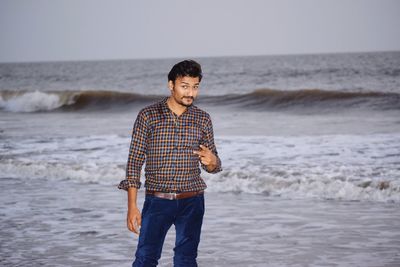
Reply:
x=48, y=30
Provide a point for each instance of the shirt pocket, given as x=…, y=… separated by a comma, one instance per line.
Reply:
x=191, y=136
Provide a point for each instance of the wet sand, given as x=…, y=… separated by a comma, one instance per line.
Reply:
x=66, y=223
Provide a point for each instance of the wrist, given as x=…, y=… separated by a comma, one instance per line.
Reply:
x=132, y=205
x=211, y=167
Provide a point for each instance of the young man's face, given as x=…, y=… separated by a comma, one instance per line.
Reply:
x=184, y=90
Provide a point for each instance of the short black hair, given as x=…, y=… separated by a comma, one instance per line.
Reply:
x=185, y=68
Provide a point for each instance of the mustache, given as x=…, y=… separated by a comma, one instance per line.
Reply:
x=189, y=97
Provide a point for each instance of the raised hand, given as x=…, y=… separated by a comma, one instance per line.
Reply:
x=206, y=157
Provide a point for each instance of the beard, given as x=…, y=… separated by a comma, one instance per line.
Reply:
x=186, y=101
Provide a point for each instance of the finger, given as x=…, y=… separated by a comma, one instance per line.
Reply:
x=130, y=226
x=138, y=223
x=204, y=148
x=135, y=227
x=205, y=161
x=199, y=153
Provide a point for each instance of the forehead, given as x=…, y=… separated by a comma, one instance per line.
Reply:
x=187, y=79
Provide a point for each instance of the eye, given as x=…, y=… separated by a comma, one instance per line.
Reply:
x=185, y=87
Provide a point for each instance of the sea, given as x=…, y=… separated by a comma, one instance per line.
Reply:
x=310, y=148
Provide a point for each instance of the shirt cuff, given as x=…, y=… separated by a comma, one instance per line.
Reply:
x=129, y=182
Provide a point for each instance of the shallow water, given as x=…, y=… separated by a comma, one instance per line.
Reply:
x=66, y=223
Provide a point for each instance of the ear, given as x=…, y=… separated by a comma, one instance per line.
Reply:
x=171, y=85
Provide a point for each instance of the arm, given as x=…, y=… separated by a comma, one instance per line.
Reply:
x=208, y=154
x=137, y=154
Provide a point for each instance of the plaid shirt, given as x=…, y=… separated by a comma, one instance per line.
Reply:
x=166, y=142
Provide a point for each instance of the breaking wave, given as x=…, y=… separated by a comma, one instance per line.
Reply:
x=230, y=181
x=342, y=167
x=263, y=99
x=267, y=99
x=66, y=100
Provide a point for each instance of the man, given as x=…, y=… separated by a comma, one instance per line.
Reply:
x=174, y=137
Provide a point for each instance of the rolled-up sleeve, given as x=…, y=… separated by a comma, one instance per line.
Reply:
x=137, y=153
x=209, y=142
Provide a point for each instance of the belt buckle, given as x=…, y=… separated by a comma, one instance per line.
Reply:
x=172, y=196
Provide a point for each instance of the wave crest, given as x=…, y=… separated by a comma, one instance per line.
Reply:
x=64, y=100
x=230, y=181
x=262, y=99
x=31, y=101
x=268, y=99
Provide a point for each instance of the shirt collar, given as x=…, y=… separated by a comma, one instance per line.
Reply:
x=166, y=109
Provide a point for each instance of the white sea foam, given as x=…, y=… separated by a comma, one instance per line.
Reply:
x=86, y=172
x=31, y=101
x=347, y=167
x=333, y=167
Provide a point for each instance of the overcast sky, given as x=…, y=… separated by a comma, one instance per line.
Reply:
x=52, y=30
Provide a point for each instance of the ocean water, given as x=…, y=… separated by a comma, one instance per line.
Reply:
x=306, y=130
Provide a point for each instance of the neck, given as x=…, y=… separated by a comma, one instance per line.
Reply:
x=176, y=108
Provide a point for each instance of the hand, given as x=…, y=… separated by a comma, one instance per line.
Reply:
x=206, y=156
x=134, y=220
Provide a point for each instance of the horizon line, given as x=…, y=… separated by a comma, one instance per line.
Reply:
x=212, y=56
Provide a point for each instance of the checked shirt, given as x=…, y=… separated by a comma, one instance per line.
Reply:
x=166, y=143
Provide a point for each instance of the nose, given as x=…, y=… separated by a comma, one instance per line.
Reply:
x=190, y=92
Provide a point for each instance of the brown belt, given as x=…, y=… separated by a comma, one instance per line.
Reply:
x=173, y=196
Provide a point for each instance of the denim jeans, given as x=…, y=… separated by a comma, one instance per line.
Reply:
x=157, y=217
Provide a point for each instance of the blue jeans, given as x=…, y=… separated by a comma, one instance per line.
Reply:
x=157, y=217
